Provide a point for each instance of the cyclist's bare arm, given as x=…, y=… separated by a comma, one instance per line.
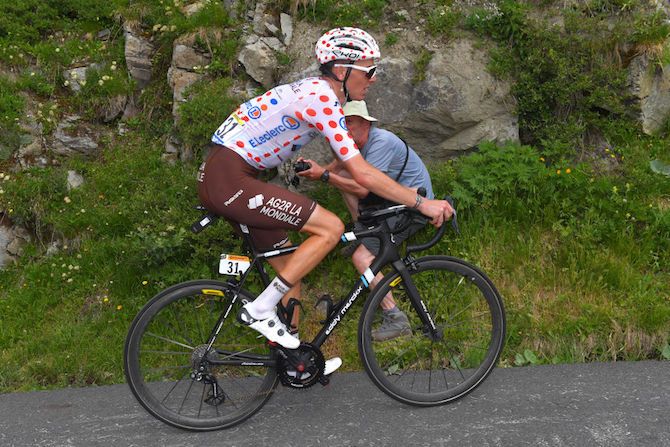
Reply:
x=376, y=181
x=344, y=184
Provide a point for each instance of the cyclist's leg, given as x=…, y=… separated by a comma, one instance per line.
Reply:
x=366, y=252
x=239, y=196
x=278, y=264
x=325, y=230
x=362, y=258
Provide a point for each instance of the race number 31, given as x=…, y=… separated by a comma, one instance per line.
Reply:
x=233, y=264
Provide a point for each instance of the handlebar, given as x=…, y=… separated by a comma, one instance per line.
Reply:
x=440, y=231
x=411, y=215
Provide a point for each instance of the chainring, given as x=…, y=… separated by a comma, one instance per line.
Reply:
x=289, y=361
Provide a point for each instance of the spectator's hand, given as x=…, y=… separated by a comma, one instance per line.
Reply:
x=313, y=173
x=438, y=210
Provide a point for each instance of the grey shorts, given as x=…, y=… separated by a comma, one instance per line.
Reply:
x=372, y=243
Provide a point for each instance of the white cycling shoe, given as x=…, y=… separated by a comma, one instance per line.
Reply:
x=272, y=328
x=330, y=367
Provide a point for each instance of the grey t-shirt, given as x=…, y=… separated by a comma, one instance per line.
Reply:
x=386, y=152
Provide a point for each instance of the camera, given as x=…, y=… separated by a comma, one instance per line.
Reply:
x=300, y=166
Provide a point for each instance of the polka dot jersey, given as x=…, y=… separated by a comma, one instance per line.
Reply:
x=270, y=128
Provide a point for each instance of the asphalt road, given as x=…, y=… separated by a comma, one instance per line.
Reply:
x=598, y=404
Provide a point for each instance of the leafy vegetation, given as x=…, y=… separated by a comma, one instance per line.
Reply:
x=362, y=13
x=576, y=237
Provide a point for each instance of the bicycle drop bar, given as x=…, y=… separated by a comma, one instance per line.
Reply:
x=410, y=215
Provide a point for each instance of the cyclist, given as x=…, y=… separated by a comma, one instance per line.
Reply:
x=391, y=155
x=263, y=132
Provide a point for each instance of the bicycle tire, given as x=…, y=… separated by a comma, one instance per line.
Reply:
x=168, y=337
x=468, y=311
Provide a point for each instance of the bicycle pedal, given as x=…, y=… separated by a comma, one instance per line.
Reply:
x=324, y=380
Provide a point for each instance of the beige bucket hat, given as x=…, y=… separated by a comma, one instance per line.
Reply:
x=357, y=108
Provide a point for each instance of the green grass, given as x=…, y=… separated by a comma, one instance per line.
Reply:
x=580, y=255
x=595, y=287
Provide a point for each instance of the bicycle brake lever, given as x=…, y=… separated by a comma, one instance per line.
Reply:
x=454, y=217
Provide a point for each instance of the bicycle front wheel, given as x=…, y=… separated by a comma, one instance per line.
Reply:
x=178, y=377
x=424, y=368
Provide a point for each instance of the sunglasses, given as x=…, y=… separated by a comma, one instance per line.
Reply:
x=370, y=71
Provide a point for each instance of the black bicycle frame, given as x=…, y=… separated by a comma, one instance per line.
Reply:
x=389, y=255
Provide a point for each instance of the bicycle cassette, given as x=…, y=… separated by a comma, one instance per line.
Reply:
x=301, y=367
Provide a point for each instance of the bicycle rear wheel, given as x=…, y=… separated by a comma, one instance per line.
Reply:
x=422, y=370
x=174, y=375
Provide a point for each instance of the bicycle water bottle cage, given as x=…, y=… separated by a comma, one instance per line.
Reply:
x=285, y=313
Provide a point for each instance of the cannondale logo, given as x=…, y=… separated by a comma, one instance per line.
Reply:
x=255, y=202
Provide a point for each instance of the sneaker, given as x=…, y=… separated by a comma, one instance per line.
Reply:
x=393, y=325
x=331, y=366
x=272, y=328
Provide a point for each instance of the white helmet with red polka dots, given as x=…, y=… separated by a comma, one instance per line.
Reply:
x=346, y=43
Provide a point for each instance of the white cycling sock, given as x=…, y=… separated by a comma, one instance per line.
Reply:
x=264, y=306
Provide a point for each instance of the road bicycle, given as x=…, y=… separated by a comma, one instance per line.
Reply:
x=191, y=365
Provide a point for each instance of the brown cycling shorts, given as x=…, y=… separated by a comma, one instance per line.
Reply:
x=229, y=187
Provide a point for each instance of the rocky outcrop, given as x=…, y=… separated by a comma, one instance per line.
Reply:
x=12, y=240
x=74, y=180
x=72, y=137
x=138, y=52
x=650, y=87
x=258, y=56
x=457, y=105
x=75, y=78
x=185, y=70
x=271, y=35
x=31, y=151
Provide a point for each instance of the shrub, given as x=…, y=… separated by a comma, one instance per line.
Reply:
x=420, y=65
x=360, y=13
x=11, y=111
x=566, y=83
x=209, y=105
x=442, y=20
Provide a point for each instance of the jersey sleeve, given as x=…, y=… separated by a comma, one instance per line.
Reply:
x=325, y=113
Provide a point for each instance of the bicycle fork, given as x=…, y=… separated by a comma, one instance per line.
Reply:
x=417, y=303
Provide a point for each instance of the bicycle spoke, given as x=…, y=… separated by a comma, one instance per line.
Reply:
x=177, y=338
x=173, y=387
x=169, y=340
x=148, y=351
x=429, y=367
x=188, y=391
x=167, y=368
x=179, y=330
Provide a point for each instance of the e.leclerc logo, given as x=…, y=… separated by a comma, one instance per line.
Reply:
x=343, y=123
x=254, y=113
x=289, y=122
